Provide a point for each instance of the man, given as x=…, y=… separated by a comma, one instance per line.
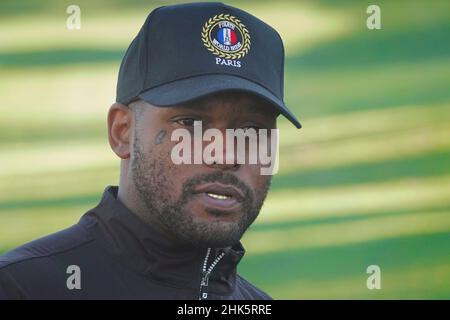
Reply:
x=169, y=231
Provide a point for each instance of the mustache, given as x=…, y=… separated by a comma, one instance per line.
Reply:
x=220, y=177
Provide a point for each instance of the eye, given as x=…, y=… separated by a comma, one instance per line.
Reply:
x=186, y=122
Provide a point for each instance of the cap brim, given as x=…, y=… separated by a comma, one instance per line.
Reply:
x=182, y=91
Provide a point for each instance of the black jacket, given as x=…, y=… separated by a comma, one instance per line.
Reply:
x=119, y=257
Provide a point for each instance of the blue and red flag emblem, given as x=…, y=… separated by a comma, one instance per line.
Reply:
x=226, y=36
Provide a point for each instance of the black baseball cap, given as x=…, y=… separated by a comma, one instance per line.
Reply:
x=187, y=51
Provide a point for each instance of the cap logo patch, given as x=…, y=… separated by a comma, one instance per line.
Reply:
x=226, y=36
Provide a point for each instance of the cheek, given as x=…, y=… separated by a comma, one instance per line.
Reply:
x=156, y=166
x=251, y=174
x=172, y=175
x=262, y=182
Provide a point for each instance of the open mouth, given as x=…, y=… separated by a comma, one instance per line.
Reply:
x=220, y=197
x=220, y=191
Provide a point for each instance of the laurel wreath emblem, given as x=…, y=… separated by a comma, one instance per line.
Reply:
x=245, y=34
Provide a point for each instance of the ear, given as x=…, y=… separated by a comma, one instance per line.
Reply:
x=120, y=124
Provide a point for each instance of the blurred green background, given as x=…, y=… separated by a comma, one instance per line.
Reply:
x=366, y=181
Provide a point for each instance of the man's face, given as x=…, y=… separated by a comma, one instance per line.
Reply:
x=208, y=205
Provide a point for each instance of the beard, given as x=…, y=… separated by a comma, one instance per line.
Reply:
x=155, y=187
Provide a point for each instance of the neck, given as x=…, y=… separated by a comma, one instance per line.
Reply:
x=142, y=248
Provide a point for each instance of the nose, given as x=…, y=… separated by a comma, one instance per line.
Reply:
x=227, y=149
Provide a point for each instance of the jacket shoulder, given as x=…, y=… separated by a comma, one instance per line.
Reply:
x=52, y=244
x=25, y=269
x=249, y=291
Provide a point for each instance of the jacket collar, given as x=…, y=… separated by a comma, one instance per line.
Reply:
x=136, y=244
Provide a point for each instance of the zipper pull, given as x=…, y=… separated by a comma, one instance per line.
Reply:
x=205, y=278
x=204, y=286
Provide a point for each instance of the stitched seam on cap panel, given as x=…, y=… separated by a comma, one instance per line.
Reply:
x=150, y=23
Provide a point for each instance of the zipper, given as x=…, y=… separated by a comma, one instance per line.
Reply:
x=206, y=272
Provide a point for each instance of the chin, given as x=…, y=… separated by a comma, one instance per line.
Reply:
x=215, y=238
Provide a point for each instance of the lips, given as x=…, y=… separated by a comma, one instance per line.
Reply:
x=221, y=192
x=223, y=199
